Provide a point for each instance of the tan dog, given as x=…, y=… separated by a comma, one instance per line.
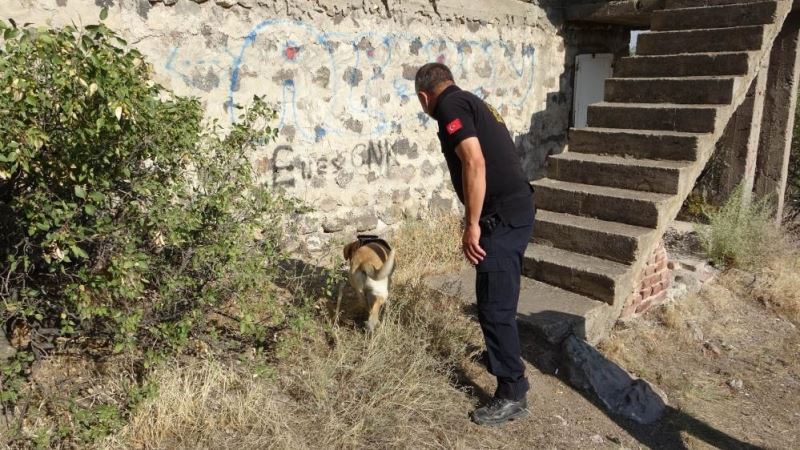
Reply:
x=371, y=267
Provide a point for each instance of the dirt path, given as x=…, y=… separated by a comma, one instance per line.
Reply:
x=693, y=351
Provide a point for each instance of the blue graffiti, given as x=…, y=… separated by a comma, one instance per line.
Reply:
x=358, y=68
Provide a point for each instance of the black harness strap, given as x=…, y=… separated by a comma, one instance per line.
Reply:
x=364, y=239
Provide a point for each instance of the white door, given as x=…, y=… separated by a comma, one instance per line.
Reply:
x=591, y=72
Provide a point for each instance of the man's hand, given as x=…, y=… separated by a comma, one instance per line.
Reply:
x=470, y=244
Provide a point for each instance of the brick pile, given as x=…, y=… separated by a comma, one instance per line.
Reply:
x=652, y=284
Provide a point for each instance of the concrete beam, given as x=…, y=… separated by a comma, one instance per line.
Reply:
x=778, y=122
x=734, y=162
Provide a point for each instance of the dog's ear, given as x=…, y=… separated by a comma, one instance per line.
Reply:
x=349, y=249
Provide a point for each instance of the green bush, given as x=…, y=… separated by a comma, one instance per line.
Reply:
x=741, y=233
x=122, y=214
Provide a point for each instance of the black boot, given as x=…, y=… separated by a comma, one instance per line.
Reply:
x=500, y=411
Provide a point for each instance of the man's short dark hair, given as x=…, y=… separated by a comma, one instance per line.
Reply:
x=430, y=75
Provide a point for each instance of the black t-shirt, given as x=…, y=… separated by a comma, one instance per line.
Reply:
x=461, y=115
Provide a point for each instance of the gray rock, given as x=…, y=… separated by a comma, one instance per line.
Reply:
x=343, y=178
x=360, y=200
x=618, y=391
x=366, y=222
x=314, y=243
x=7, y=351
x=333, y=224
x=401, y=195
x=441, y=204
x=392, y=215
x=683, y=282
x=736, y=384
x=328, y=204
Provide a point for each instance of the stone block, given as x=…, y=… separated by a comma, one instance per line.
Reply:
x=366, y=222
x=391, y=215
x=333, y=224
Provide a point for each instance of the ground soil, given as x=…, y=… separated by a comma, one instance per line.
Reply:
x=723, y=338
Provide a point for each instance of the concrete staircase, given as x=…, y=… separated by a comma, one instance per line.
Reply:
x=608, y=199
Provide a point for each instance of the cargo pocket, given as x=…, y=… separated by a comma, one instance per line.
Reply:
x=494, y=284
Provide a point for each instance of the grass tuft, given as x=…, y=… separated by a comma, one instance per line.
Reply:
x=741, y=233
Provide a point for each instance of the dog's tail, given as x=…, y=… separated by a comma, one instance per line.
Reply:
x=387, y=268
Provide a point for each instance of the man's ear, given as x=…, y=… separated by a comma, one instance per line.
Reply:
x=424, y=100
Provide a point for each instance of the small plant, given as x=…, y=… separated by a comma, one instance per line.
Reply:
x=740, y=233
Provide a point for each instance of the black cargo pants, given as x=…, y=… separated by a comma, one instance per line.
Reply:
x=497, y=287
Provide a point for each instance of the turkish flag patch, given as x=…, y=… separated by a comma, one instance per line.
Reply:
x=453, y=126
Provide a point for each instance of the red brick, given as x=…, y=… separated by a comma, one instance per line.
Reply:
x=661, y=256
x=644, y=306
x=657, y=298
x=651, y=280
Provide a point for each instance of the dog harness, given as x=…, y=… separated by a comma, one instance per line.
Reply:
x=364, y=239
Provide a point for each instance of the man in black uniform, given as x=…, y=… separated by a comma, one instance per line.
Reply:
x=487, y=176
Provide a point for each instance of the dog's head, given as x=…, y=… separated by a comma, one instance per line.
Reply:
x=349, y=249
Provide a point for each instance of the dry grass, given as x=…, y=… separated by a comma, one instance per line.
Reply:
x=428, y=247
x=392, y=390
x=699, y=347
x=778, y=285
x=742, y=233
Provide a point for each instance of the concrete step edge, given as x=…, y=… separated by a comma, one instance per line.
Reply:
x=665, y=164
x=578, y=261
x=713, y=7
x=605, y=104
x=639, y=132
x=592, y=224
x=604, y=190
x=687, y=79
x=705, y=30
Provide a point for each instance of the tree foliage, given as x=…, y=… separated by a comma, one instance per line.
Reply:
x=122, y=213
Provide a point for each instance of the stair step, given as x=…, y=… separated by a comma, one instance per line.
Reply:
x=608, y=240
x=688, y=65
x=679, y=4
x=605, y=203
x=718, y=16
x=594, y=277
x=735, y=39
x=552, y=313
x=636, y=143
x=618, y=172
x=688, y=90
x=653, y=116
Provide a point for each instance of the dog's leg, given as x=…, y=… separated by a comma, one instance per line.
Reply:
x=339, y=294
x=375, y=311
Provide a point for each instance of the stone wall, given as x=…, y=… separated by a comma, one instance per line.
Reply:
x=353, y=143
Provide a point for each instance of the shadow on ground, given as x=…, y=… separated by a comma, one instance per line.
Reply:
x=665, y=433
